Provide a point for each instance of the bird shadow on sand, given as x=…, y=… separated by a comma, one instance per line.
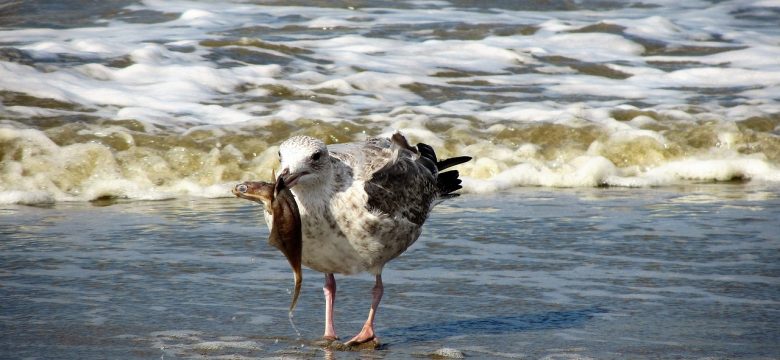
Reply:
x=492, y=325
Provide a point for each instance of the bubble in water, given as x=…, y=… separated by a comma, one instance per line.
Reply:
x=448, y=353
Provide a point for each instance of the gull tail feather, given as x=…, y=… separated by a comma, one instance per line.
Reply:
x=447, y=182
x=447, y=163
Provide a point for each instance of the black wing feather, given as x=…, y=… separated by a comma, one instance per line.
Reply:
x=407, y=186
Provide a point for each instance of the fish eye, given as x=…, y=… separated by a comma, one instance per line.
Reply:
x=316, y=156
x=241, y=188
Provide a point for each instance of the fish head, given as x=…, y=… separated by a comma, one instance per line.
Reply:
x=258, y=191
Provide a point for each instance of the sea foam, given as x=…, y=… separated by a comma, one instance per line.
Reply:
x=198, y=95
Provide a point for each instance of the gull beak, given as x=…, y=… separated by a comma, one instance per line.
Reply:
x=290, y=179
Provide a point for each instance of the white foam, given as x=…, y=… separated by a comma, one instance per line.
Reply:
x=184, y=73
x=26, y=197
x=220, y=345
x=581, y=171
x=592, y=46
x=593, y=171
x=654, y=27
x=767, y=3
x=711, y=77
x=400, y=81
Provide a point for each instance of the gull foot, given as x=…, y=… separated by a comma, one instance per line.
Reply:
x=365, y=335
x=365, y=340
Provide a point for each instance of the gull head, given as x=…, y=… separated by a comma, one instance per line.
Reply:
x=304, y=161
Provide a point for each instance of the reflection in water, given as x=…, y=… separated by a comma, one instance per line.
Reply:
x=494, y=325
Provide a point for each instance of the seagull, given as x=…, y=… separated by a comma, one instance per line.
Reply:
x=361, y=205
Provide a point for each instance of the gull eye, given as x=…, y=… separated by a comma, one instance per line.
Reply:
x=316, y=156
x=241, y=188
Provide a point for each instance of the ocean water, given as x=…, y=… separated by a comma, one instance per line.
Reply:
x=164, y=99
x=688, y=273
x=622, y=201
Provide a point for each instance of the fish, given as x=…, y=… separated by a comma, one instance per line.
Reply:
x=286, y=236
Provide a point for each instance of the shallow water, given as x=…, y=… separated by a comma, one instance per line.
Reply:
x=677, y=272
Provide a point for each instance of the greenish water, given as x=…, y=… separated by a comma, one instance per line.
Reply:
x=684, y=272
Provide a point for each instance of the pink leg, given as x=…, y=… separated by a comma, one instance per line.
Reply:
x=367, y=333
x=330, y=297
